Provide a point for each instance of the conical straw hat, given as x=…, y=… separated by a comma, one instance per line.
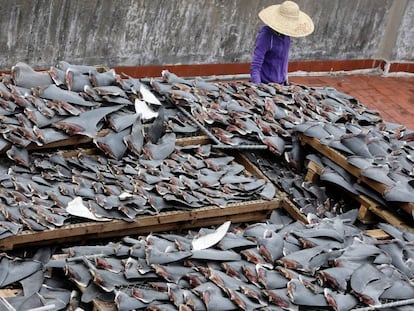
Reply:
x=287, y=19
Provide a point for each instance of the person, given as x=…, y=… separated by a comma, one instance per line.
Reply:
x=271, y=52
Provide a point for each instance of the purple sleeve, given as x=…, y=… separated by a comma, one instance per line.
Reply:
x=258, y=56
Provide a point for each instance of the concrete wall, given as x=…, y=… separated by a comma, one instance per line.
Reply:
x=161, y=32
x=404, y=48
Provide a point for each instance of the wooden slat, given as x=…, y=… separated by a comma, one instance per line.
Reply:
x=81, y=140
x=389, y=217
x=369, y=210
x=242, y=159
x=99, y=305
x=313, y=172
x=193, y=140
x=366, y=216
x=78, y=140
x=70, y=141
x=408, y=207
x=74, y=140
x=287, y=205
x=10, y=292
x=293, y=211
x=339, y=159
x=251, y=168
x=378, y=234
x=174, y=220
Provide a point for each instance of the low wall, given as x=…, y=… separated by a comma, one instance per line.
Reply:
x=172, y=32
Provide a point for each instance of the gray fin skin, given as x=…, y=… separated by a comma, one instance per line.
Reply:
x=53, y=92
x=378, y=174
x=339, y=301
x=113, y=143
x=24, y=76
x=121, y=120
x=19, y=155
x=357, y=145
x=399, y=192
x=18, y=269
x=86, y=123
x=301, y=295
x=134, y=141
x=336, y=179
x=164, y=147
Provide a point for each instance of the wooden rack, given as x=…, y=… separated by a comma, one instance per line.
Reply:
x=369, y=211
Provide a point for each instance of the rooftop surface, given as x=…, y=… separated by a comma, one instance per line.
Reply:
x=392, y=96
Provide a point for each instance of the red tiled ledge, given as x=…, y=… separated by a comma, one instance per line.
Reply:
x=401, y=67
x=192, y=70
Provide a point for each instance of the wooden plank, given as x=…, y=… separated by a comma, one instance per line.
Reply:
x=242, y=159
x=70, y=141
x=12, y=292
x=339, y=159
x=290, y=208
x=378, y=234
x=369, y=210
x=78, y=140
x=193, y=140
x=389, y=217
x=408, y=207
x=74, y=140
x=174, y=220
x=293, y=211
x=313, y=172
x=366, y=216
x=163, y=221
x=99, y=305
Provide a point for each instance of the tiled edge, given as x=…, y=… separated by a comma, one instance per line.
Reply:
x=331, y=65
x=192, y=70
x=401, y=67
x=188, y=70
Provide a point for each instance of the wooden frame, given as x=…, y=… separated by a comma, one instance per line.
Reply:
x=339, y=159
x=165, y=221
x=369, y=211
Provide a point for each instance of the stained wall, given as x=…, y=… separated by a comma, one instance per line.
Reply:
x=162, y=32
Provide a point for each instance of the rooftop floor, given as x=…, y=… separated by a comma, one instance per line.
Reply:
x=392, y=96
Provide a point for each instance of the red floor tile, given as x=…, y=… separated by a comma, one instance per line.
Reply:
x=392, y=96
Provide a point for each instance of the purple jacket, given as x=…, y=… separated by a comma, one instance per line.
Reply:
x=270, y=57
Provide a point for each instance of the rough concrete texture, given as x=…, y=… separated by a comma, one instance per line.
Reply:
x=142, y=32
x=404, y=48
x=343, y=29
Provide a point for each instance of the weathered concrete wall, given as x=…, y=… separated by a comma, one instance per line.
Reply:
x=143, y=32
x=404, y=48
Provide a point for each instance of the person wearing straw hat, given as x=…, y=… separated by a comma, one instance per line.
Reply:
x=271, y=52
